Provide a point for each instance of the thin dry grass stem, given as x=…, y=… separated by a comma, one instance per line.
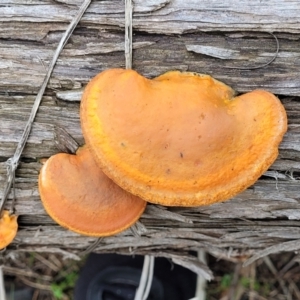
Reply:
x=13, y=162
x=201, y=281
x=92, y=247
x=265, y=64
x=12, y=206
x=46, y=262
x=35, y=285
x=295, y=289
x=55, y=261
x=256, y=296
x=20, y=263
x=274, y=271
x=252, y=281
x=285, y=246
x=240, y=291
x=2, y=287
x=128, y=34
x=292, y=274
x=35, y=295
x=234, y=282
x=273, y=294
x=143, y=289
x=26, y=273
x=287, y=267
x=66, y=254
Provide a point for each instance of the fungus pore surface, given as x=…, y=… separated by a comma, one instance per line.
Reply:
x=181, y=139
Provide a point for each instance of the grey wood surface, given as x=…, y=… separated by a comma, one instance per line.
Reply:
x=202, y=36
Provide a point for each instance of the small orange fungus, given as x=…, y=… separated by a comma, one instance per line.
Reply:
x=8, y=228
x=80, y=197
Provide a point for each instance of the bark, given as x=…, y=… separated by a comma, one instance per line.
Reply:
x=202, y=36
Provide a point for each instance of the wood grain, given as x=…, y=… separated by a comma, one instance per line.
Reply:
x=167, y=35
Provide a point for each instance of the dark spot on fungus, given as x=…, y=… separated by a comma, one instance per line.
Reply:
x=181, y=154
x=197, y=163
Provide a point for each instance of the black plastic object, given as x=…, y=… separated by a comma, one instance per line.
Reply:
x=116, y=283
x=116, y=277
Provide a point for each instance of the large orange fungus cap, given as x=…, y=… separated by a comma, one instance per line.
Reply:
x=181, y=139
x=79, y=196
x=8, y=228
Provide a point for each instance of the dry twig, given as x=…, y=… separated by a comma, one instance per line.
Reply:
x=13, y=162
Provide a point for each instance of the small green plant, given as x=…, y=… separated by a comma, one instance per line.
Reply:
x=226, y=281
x=31, y=259
x=245, y=282
x=59, y=289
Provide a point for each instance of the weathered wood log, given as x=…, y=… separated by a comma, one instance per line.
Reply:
x=168, y=35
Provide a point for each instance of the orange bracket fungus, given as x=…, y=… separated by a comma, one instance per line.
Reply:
x=79, y=196
x=180, y=139
x=8, y=228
